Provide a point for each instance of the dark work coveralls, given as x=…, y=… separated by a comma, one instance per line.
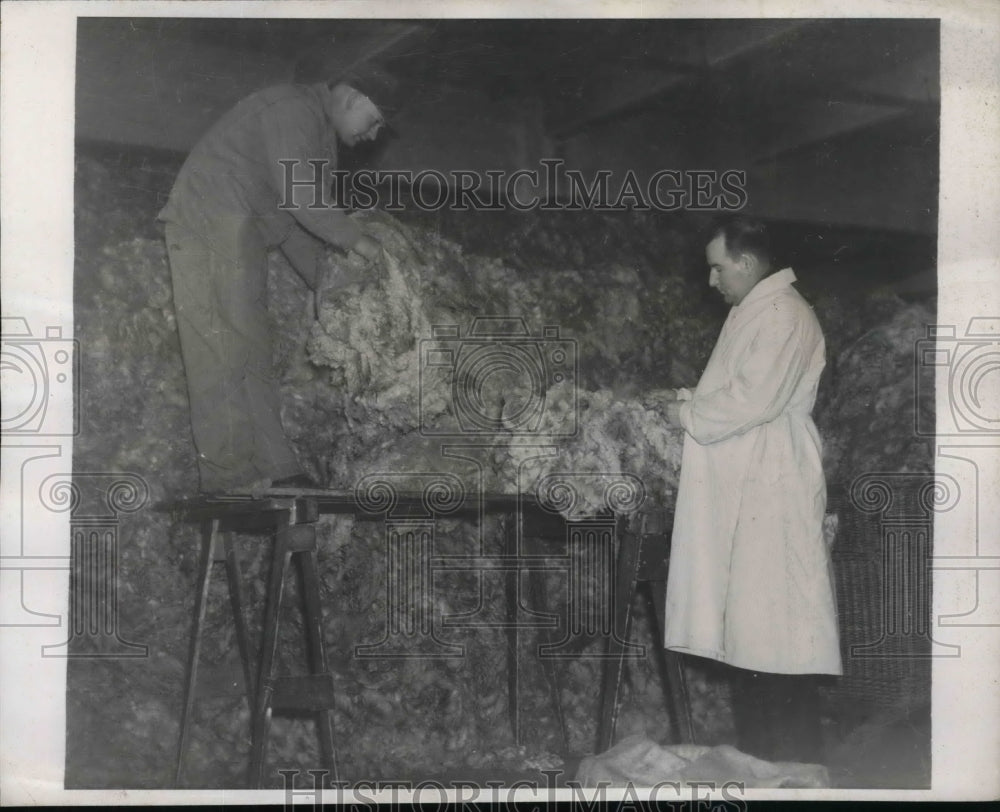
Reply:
x=221, y=218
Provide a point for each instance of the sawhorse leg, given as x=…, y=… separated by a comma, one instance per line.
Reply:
x=318, y=664
x=614, y=666
x=550, y=669
x=260, y=720
x=671, y=666
x=637, y=563
x=209, y=531
x=514, y=640
x=248, y=657
x=210, y=554
x=313, y=692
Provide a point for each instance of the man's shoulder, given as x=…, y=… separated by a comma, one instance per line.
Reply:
x=783, y=309
x=276, y=95
x=285, y=102
x=790, y=296
x=796, y=309
x=787, y=297
x=784, y=299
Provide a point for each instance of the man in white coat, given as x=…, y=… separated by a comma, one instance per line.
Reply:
x=750, y=581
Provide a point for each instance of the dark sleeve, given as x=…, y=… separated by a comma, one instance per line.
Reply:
x=293, y=132
x=302, y=251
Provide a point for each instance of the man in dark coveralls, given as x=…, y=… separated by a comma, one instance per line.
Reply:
x=225, y=211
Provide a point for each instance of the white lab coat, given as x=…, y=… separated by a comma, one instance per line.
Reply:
x=750, y=581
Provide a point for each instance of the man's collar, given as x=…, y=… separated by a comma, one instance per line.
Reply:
x=770, y=284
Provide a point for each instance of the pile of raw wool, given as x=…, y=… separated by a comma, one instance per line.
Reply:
x=350, y=381
x=875, y=401
x=593, y=411
x=395, y=717
x=870, y=423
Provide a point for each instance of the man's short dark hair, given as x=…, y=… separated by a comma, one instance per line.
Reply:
x=745, y=236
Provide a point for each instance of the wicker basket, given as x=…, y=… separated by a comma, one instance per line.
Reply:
x=883, y=629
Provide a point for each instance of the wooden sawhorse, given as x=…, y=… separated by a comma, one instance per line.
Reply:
x=642, y=564
x=290, y=522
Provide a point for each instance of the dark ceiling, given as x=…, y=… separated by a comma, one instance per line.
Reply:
x=585, y=70
x=843, y=107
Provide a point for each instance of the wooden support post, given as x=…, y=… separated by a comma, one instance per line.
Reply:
x=261, y=715
x=237, y=601
x=614, y=668
x=209, y=533
x=642, y=558
x=318, y=664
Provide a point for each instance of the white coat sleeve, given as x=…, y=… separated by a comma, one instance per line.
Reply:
x=292, y=133
x=767, y=374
